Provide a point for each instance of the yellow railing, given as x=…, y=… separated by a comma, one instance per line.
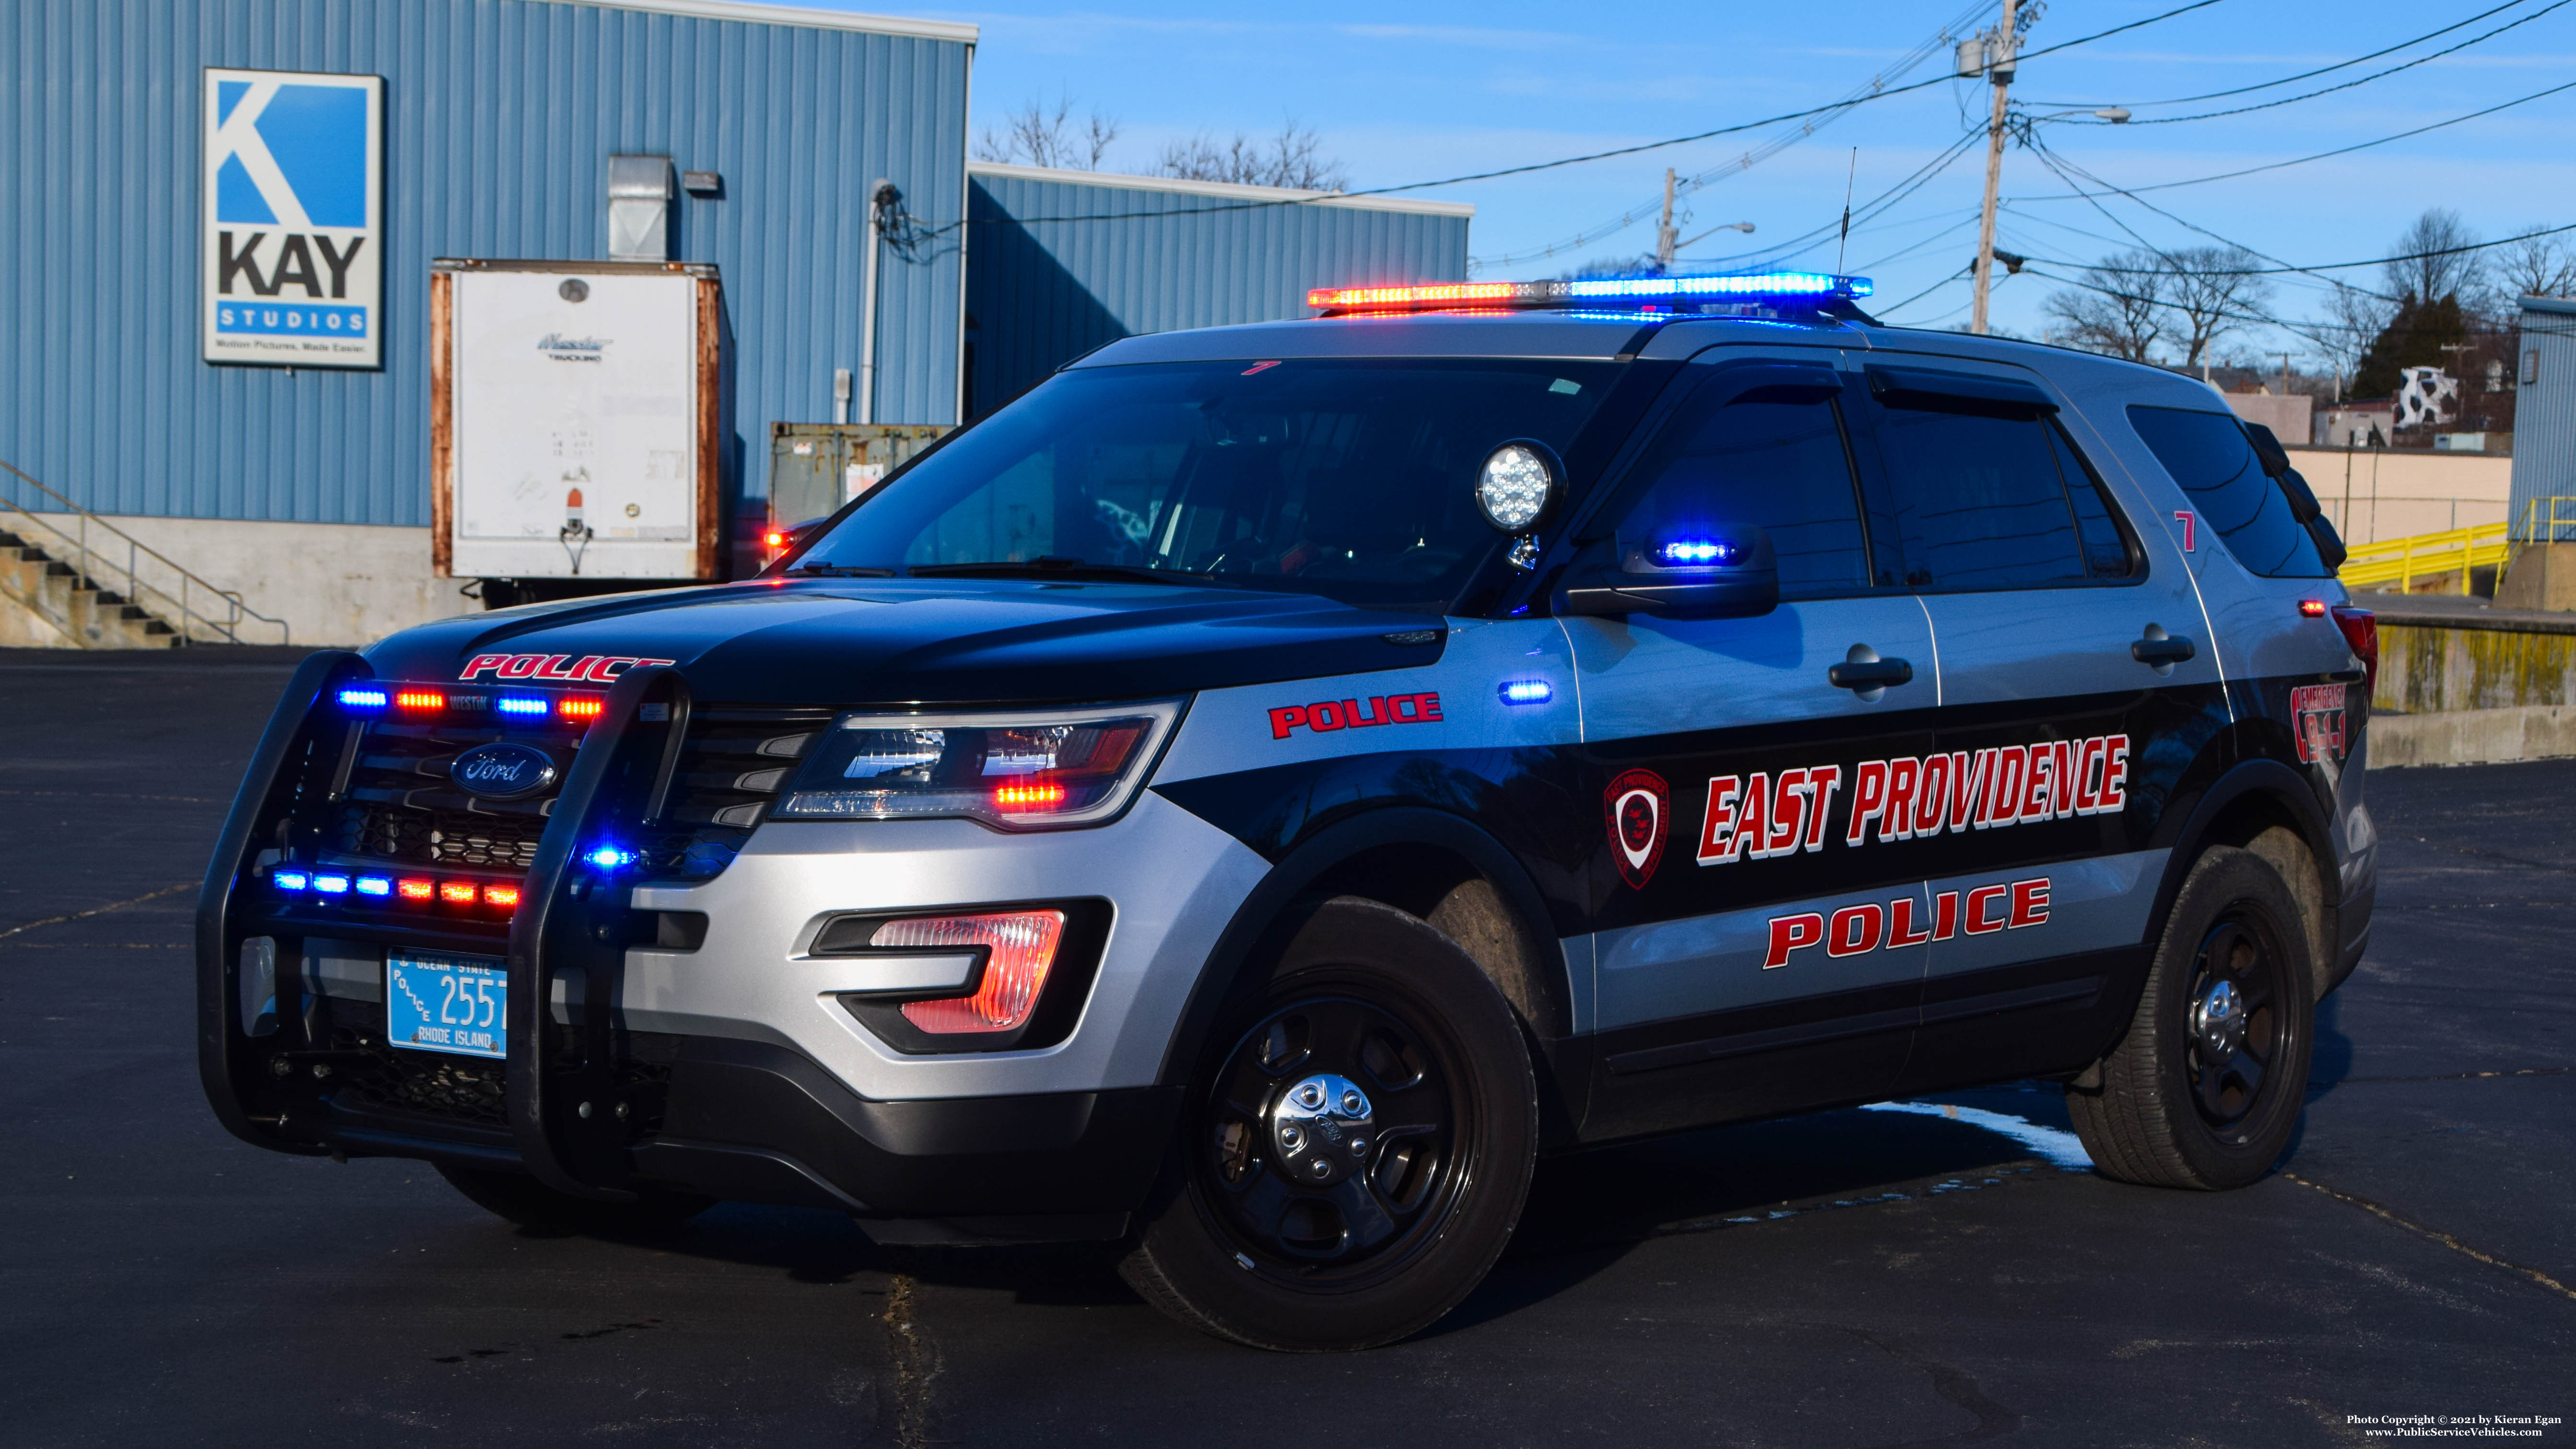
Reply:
x=2401, y=561
x=2547, y=520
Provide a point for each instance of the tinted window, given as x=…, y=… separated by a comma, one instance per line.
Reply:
x=1773, y=457
x=2209, y=455
x=2107, y=553
x=1352, y=478
x=1982, y=501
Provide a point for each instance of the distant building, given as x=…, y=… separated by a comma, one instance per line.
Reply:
x=2285, y=414
x=2367, y=424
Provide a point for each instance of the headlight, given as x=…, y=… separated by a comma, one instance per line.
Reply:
x=1016, y=769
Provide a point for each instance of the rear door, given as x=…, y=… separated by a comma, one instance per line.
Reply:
x=1750, y=958
x=2077, y=680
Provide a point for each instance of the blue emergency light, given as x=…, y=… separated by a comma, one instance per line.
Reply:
x=364, y=699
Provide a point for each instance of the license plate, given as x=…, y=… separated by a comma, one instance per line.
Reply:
x=446, y=1004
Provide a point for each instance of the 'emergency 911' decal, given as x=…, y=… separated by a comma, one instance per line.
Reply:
x=1763, y=816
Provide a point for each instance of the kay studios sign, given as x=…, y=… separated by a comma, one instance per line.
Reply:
x=294, y=221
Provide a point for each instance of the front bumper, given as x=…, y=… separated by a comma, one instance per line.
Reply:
x=732, y=1069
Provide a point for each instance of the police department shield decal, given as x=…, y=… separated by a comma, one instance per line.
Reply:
x=1639, y=811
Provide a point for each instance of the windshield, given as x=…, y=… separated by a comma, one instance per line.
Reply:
x=1348, y=477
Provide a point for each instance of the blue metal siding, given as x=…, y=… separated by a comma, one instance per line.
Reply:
x=499, y=119
x=2544, y=422
x=1043, y=289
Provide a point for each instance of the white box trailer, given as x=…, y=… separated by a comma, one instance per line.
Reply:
x=574, y=420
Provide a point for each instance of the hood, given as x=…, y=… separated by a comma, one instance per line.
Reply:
x=948, y=641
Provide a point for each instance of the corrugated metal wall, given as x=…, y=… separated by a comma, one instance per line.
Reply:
x=1058, y=267
x=2544, y=429
x=499, y=117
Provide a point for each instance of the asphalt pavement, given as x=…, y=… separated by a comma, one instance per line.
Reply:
x=1934, y=1275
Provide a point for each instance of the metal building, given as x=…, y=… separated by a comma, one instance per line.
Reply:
x=304, y=487
x=1060, y=262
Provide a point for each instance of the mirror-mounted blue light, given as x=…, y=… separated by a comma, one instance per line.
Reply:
x=364, y=699
x=1526, y=691
x=1686, y=552
x=609, y=857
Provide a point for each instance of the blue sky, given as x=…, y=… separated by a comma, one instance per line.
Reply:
x=1434, y=90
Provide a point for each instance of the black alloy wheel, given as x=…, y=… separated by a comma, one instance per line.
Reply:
x=1357, y=1146
x=2206, y=1089
x=1328, y=1147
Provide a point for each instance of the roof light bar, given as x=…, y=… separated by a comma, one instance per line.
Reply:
x=1751, y=286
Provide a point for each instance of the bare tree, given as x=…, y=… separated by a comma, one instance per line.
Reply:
x=2118, y=307
x=2528, y=266
x=1035, y=135
x=2348, y=321
x=1293, y=158
x=2214, y=291
x=2431, y=264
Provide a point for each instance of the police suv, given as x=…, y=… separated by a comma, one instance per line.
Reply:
x=1250, y=796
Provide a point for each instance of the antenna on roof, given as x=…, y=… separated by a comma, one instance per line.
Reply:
x=1845, y=242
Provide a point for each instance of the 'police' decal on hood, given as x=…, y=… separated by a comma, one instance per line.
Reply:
x=1639, y=809
x=590, y=668
x=1352, y=714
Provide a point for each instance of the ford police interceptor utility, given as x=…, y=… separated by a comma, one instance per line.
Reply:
x=1254, y=793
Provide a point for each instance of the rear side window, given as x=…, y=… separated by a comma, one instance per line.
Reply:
x=2210, y=456
x=1994, y=502
x=1774, y=457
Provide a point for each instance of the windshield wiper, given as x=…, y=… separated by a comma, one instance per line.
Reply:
x=837, y=571
x=1054, y=567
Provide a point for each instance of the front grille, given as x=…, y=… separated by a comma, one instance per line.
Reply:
x=451, y=1088
x=399, y=806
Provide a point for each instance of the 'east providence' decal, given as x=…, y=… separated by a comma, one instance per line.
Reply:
x=1762, y=816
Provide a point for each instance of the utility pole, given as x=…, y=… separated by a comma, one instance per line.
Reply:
x=1666, y=235
x=1999, y=70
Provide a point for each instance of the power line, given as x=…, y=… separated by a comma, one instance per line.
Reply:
x=2322, y=155
x=1322, y=198
x=2293, y=79
x=1759, y=154
x=2344, y=86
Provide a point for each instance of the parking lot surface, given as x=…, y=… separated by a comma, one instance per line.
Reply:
x=1946, y=1273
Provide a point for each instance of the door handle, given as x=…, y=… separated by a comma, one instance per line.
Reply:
x=1870, y=673
x=2160, y=648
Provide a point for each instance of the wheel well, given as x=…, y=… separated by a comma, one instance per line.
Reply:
x=2258, y=822
x=1459, y=900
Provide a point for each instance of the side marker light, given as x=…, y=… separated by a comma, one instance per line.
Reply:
x=1527, y=691
x=2313, y=608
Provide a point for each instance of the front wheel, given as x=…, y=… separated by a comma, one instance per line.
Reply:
x=1357, y=1145
x=2208, y=1085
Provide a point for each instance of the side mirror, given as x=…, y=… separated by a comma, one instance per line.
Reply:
x=1723, y=573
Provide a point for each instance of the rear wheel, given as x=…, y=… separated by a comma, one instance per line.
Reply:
x=1356, y=1148
x=2207, y=1087
x=522, y=1199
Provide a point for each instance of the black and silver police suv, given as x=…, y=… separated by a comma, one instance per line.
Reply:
x=1249, y=797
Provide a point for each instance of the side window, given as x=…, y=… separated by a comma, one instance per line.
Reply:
x=1988, y=501
x=1771, y=456
x=2210, y=456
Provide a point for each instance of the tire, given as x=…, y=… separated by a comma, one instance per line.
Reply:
x=2207, y=1087
x=1356, y=1148
x=519, y=1198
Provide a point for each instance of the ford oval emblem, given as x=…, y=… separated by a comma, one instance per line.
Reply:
x=503, y=771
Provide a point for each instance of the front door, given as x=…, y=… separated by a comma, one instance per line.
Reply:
x=1754, y=951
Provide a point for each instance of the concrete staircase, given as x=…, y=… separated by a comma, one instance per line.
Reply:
x=46, y=603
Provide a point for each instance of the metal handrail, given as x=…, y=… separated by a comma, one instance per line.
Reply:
x=2561, y=516
x=180, y=604
x=2401, y=559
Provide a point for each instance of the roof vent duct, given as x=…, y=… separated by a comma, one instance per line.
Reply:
x=639, y=208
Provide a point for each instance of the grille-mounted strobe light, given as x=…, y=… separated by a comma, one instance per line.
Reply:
x=1748, y=287
x=364, y=699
